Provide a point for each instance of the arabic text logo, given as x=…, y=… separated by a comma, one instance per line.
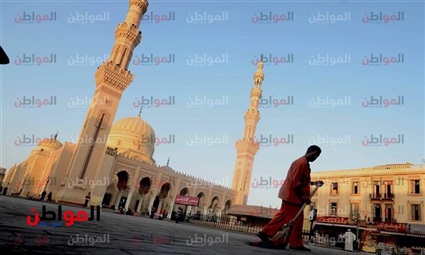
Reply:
x=205, y=140
x=206, y=241
x=86, y=60
x=153, y=239
x=152, y=18
x=327, y=60
x=382, y=102
x=31, y=60
x=149, y=60
x=272, y=102
x=155, y=140
x=202, y=102
x=381, y=60
x=328, y=102
x=68, y=216
x=34, y=102
x=269, y=59
x=267, y=183
x=380, y=140
x=87, y=241
x=84, y=18
x=270, y=18
x=379, y=18
x=327, y=18
x=327, y=139
x=275, y=141
x=206, y=18
x=153, y=102
x=30, y=18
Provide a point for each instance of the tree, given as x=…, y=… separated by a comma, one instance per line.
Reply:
x=355, y=216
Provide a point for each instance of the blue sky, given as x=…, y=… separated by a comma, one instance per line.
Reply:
x=327, y=95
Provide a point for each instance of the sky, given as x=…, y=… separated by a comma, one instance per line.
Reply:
x=345, y=75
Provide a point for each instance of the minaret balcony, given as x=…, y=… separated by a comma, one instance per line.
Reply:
x=256, y=92
x=130, y=33
x=113, y=75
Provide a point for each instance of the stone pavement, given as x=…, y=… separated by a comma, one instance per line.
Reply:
x=117, y=234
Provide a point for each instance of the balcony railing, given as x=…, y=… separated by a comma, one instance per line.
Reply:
x=391, y=220
x=388, y=196
x=377, y=219
x=375, y=196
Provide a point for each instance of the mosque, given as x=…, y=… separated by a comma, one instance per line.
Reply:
x=120, y=171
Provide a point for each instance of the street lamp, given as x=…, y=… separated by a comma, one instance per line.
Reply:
x=356, y=216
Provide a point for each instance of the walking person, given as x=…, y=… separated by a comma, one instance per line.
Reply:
x=294, y=192
x=43, y=195
x=49, y=196
x=349, y=240
x=88, y=197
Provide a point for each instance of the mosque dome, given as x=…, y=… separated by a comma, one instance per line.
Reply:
x=134, y=137
x=50, y=144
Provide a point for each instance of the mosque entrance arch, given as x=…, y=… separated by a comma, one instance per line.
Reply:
x=122, y=180
x=227, y=206
x=144, y=186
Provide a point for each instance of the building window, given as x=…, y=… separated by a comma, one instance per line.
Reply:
x=389, y=213
x=334, y=188
x=388, y=189
x=355, y=190
x=354, y=209
x=415, y=187
x=415, y=212
x=333, y=209
x=376, y=189
x=118, y=142
x=377, y=212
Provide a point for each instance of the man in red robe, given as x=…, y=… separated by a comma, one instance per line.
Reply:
x=294, y=192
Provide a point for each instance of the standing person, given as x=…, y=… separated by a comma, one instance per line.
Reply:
x=49, y=196
x=349, y=239
x=5, y=191
x=43, y=195
x=179, y=214
x=294, y=192
x=87, y=199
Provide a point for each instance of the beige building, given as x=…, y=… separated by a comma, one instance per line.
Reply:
x=387, y=193
x=114, y=161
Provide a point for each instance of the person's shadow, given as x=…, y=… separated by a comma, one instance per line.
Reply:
x=4, y=59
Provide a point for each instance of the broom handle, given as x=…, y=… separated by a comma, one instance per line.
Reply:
x=318, y=184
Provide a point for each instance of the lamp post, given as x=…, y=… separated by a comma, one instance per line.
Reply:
x=356, y=215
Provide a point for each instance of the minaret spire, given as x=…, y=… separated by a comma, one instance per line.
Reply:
x=112, y=78
x=246, y=147
x=140, y=112
x=168, y=161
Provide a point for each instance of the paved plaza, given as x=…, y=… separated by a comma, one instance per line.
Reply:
x=115, y=234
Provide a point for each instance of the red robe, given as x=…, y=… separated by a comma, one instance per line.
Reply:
x=295, y=187
x=297, y=182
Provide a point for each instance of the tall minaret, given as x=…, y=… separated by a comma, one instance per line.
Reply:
x=246, y=147
x=112, y=78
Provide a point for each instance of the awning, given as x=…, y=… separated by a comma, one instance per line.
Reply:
x=402, y=234
x=343, y=226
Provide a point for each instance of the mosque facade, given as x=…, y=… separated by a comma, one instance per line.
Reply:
x=114, y=161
